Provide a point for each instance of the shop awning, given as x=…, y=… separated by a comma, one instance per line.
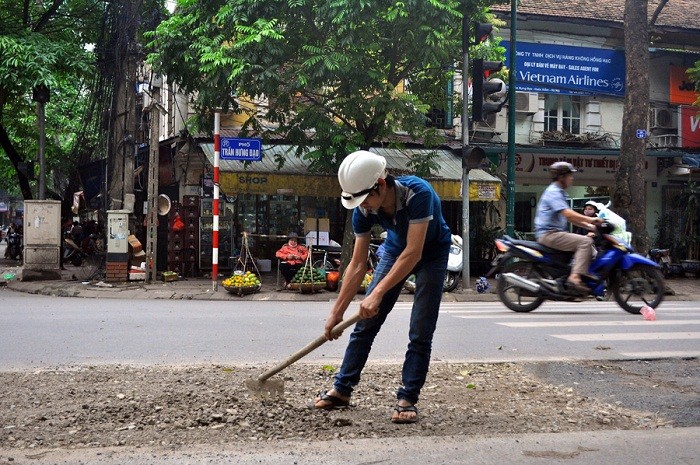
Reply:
x=294, y=178
x=691, y=159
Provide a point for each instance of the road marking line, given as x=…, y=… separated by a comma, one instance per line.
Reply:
x=626, y=336
x=564, y=324
x=663, y=354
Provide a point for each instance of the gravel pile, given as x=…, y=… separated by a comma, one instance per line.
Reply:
x=131, y=406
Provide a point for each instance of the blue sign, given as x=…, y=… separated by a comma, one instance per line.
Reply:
x=564, y=69
x=641, y=134
x=240, y=149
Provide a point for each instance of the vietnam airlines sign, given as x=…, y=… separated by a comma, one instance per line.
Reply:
x=564, y=69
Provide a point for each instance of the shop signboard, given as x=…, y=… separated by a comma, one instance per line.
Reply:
x=534, y=168
x=565, y=69
x=681, y=90
x=689, y=132
x=240, y=149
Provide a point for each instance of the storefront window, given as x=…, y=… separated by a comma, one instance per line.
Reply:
x=562, y=113
x=251, y=212
x=284, y=214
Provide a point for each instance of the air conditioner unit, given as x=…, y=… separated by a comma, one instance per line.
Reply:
x=495, y=122
x=663, y=118
x=526, y=102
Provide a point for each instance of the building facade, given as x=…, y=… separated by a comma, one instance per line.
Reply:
x=570, y=66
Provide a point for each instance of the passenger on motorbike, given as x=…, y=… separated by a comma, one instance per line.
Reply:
x=590, y=211
x=551, y=229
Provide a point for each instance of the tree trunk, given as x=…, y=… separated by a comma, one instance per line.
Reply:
x=15, y=159
x=123, y=112
x=629, y=193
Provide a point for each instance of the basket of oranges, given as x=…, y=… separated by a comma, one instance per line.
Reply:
x=242, y=283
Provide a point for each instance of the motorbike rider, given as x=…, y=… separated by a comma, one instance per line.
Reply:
x=11, y=230
x=551, y=229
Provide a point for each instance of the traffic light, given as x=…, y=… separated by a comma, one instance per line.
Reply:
x=488, y=96
x=481, y=32
x=472, y=156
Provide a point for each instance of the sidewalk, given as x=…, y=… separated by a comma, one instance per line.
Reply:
x=202, y=289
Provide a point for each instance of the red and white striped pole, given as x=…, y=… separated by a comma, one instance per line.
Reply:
x=215, y=207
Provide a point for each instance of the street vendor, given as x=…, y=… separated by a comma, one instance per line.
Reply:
x=292, y=256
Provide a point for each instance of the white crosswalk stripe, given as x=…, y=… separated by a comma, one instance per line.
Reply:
x=593, y=326
x=573, y=324
x=627, y=336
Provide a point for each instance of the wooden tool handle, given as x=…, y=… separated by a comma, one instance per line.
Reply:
x=310, y=347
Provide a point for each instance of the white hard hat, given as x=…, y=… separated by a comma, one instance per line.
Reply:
x=358, y=175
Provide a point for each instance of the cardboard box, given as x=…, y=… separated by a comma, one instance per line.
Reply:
x=322, y=238
x=169, y=276
x=136, y=248
x=317, y=224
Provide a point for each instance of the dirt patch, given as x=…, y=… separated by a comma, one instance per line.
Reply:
x=132, y=406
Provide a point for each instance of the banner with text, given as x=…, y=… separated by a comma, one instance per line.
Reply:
x=689, y=129
x=564, y=69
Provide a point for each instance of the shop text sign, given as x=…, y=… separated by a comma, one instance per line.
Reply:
x=240, y=149
x=535, y=167
x=564, y=69
x=690, y=126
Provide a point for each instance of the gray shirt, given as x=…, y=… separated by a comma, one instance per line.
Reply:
x=548, y=218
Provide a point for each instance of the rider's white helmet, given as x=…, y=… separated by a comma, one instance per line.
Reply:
x=358, y=175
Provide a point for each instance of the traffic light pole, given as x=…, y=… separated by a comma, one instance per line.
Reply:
x=465, y=148
x=510, y=204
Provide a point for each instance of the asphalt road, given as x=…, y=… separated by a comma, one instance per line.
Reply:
x=39, y=331
x=595, y=347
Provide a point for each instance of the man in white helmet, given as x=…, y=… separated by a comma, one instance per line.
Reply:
x=554, y=212
x=417, y=242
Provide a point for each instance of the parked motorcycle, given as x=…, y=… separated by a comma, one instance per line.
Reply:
x=455, y=264
x=529, y=273
x=14, y=246
x=663, y=258
x=75, y=254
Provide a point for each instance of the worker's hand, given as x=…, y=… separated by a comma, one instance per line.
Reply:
x=331, y=323
x=290, y=257
x=369, y=306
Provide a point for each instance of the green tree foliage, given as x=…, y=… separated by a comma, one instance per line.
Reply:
x=43, y=43
x=694, y=74
x=332, y=67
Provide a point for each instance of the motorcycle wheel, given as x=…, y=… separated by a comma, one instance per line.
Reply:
x=637, y=287
x=514, y=297
x=451, y=282
x=324, y=265
x=75, y=260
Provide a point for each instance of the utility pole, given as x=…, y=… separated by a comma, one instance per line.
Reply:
x=41, y=96
x=465, y=149
x=153, y=159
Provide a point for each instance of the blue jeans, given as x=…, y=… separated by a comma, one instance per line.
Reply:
x=430, y=276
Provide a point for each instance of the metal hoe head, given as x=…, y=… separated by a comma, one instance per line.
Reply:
x=265, y=388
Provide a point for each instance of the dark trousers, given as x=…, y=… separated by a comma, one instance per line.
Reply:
x=288, y=271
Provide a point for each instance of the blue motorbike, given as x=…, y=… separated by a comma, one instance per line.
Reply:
x=528, y=273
